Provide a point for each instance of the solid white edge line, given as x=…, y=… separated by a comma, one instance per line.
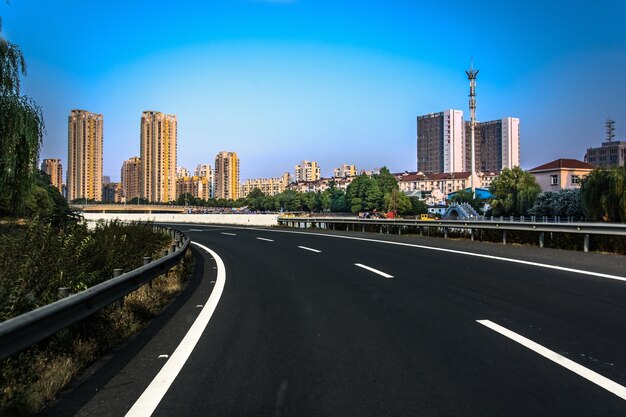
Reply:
x=264, y=239
x=412, y=245
x=311, y=249
x=478, y=255
x=154, y=393
x=588, y=374
x=376, y=271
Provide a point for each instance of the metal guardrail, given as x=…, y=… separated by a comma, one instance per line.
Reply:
x=27, y=329
x=584, y=228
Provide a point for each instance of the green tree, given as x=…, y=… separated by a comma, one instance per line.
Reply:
x=402, y=203
x=289, y=200
x=364, y=194
x=269, y=203
x=388, y=186
x=564, y=203
x=311, y=201
x=417, y=206
x=604, y=194
x=46, y=202
x=514, y=192
x=254, y=199
x=187, y=199
x=21, y=131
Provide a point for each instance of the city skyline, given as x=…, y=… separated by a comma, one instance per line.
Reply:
x=282, y=81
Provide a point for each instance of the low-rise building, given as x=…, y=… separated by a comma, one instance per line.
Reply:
x=321, y=185
x=561, y=174
x=436, y=186
x=268, y=186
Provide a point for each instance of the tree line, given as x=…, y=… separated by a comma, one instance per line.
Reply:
x=379, y=192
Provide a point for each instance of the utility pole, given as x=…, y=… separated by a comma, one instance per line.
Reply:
x=471, y=76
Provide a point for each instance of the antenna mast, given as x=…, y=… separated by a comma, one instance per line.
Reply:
x=610, y=130
x=471, y=76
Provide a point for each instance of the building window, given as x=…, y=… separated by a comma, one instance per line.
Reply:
x=575, y=180
x=554, y=180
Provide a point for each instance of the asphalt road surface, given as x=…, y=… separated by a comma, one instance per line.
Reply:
x=288, y=323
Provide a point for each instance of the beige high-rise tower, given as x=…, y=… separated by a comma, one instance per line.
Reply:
x=158, y=156
x=54, y=169
x=131, y=178
x=84, y=159
x=227, y=175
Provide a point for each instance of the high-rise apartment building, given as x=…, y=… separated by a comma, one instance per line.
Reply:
x=54, y=169
x=158, y=156
x=307, y=171
x=268, y=186
x=227, y=175
x=441, y=142
x=84, y=160
x=496, y=145
x=131, y=178
x=345, y=171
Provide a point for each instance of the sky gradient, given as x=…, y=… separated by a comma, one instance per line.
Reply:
x=333, y=81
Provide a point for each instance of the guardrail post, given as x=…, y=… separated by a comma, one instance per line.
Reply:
x=445, y=232
x=164, y=253
x=421, y=228
x=362, y=228
x=172, y=248
x=116, y=273
x=400, y=230
x=541, y=237
x=504, y=237
x=586, y=243
x=472, y=234
x=147, y=260
x=64, y=292
x=381, y=229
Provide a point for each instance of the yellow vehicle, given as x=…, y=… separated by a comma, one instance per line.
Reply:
x=427, y=217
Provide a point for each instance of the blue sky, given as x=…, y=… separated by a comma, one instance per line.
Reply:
x=334, y=81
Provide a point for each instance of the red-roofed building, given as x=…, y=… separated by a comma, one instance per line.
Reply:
x=561, y=174
x=437, y=186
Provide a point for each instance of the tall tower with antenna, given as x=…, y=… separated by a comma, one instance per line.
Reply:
x=471, y=76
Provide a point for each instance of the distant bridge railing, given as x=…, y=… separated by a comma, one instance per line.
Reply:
x=29, y=328
x=128, y=208
x=503, y=225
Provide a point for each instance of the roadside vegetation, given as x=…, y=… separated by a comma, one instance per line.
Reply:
x=31, y=378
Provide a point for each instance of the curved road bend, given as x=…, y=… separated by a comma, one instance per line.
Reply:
x=313, y=325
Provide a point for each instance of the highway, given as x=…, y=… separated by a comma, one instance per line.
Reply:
x=295, y=323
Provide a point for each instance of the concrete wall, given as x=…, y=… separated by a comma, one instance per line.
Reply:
x=232, y=219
